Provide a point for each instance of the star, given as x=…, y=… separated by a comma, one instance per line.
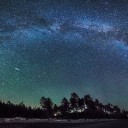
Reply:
x=53, y=47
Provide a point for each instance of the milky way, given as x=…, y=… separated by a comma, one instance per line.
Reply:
x=54, y=47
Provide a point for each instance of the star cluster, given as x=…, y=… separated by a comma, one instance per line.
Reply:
x=54, y=47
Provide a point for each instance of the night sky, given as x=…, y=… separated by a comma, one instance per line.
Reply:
x=52, y=48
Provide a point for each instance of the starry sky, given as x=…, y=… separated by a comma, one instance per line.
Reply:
x=55, y=47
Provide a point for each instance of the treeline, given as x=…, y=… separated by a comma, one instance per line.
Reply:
x=72, y=108
x=85, y=107
x=10, y=110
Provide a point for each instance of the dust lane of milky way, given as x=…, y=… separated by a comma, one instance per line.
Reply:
x=54, y=47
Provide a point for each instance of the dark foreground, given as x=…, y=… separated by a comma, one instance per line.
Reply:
x=108, y=124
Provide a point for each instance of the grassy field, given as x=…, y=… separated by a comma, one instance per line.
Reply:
x=106, y=124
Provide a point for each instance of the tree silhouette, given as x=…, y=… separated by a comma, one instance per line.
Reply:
x=47, y=105
x=55, y=108
x=117, y=109
x=68, y=109
x=88, y=101
x=64, y=107
x=81, y=102
x=74, y=101
x=74, y=104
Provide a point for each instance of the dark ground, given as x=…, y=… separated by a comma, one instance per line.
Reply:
x=108, y=124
